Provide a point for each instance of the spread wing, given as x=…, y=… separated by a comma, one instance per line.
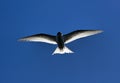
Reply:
x=40, y=38
x=79, y=34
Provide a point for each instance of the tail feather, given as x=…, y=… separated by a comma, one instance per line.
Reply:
x=62, y=51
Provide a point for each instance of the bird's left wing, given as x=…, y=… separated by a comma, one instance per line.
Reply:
x=79, y=34
x=40, y=38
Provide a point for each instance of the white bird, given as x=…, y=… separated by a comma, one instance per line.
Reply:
x=60, y=39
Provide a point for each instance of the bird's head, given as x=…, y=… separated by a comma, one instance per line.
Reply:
x=59, y=34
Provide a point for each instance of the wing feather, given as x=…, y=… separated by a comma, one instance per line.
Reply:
x=40, y=38
x=79, y=34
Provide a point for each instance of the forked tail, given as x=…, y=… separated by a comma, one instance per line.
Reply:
x=62, y=51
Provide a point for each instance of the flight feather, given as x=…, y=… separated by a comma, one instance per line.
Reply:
x=40, y=38
x=79, y=34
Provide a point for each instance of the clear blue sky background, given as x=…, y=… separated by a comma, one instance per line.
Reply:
x=96, y=58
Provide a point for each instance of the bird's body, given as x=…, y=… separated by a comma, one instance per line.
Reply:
x=60, y=39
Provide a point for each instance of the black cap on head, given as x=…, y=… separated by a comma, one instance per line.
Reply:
x=59, y=33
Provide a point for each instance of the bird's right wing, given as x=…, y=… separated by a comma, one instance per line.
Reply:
x=79, y=34
x=40, y=38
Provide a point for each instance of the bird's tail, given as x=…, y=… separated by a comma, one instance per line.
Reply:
x=62, y=51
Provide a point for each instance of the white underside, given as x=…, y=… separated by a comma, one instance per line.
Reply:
x=62, y=51
x=82, y=35
x=38, y=39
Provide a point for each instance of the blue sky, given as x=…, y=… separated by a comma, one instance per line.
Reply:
x=96, y=58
